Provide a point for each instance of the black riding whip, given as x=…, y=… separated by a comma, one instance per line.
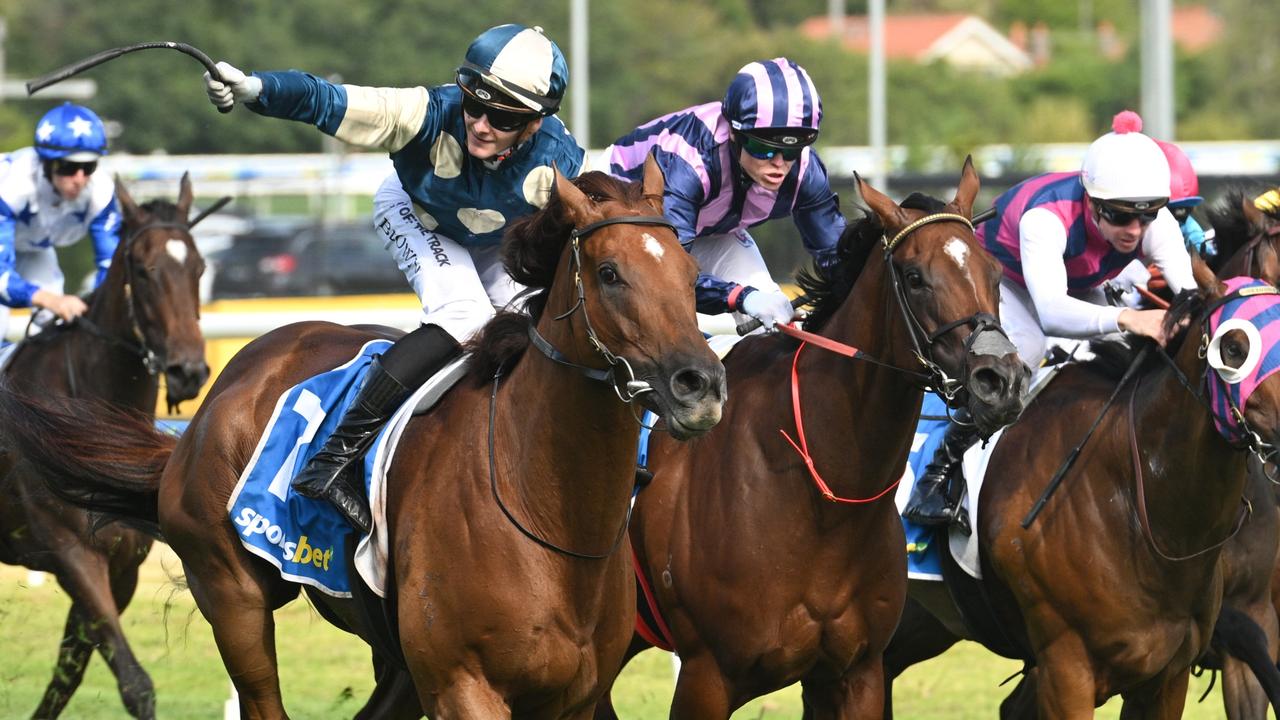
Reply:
x=80, y=66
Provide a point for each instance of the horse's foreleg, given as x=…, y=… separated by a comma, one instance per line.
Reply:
x=1065, y=685
x=604, y=708
x=85, y=576
x=702, y=691
x=68, y=671
x=467, y=698
x=1162, y=699
x=859, y=694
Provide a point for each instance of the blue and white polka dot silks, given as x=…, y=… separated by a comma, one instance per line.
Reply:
x=773, y=93
x=1256, y=313
x=517, y=58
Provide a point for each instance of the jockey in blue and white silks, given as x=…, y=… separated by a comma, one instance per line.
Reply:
x=469, y=158
x=732, y=165
x=51, y=198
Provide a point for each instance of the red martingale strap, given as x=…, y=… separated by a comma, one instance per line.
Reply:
x=657, y=635
x=803, y=446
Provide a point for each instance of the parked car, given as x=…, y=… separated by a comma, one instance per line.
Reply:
x=284, y=259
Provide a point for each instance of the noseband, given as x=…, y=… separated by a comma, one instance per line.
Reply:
x=922, y=341
x=632, y=387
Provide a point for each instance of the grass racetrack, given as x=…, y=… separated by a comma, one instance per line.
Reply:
x=325, y=672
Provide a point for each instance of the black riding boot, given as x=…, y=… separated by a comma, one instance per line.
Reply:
x=392, y=378
x=935, y=500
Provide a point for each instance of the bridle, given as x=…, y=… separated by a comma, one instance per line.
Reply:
x=150, y=359
x=936, y=378
x=626, y=391
x=632, y=387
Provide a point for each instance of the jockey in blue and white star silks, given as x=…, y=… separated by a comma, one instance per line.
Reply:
x=732, y=165
x=470, y=157
x=51, y=198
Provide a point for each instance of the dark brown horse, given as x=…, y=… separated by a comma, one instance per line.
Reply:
x=1115, y=588
x=523, y=614
x=142, y=321
x=762, y=580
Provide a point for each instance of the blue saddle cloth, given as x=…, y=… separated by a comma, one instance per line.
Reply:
x=923, y=562
x=304, y=538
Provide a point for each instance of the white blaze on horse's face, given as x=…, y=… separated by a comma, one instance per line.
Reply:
x=652, y=246
x=958, y=251
x=177, y=250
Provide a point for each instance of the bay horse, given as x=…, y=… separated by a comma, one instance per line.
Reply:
x=1116, y=586
x=764, y=579
x=508, y=501
x=142, y=321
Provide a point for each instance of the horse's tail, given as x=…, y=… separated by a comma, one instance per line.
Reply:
x=100, y=457
x=1237, y=635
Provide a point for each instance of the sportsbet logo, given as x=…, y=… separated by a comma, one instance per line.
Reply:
x=298, y=552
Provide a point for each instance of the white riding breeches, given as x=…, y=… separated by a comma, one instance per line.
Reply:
x=734, y=257
x=459, y=287
x=39, y=267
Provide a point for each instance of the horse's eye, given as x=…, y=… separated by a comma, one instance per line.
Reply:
x=914, y=278
x=1234, y=353
x=608, y=274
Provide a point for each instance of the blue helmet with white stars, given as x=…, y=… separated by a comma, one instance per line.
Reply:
x=71, y=132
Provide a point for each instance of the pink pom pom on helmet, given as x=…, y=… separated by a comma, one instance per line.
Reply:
x=1126, y=121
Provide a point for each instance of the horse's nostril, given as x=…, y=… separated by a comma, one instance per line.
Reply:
x=987, y=383
x=690, y=384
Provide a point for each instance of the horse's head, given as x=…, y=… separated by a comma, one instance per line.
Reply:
x=948, y=289
x=1248, y=238
x=1240, y=344
x=159, y=270
x=622, y=296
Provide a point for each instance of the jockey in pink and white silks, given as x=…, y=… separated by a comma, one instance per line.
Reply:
x=51, y=198
x=470, y=157
x=732, y=165
x=1060, y=237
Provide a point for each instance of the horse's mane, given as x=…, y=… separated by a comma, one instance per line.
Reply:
x=531, y=249
x=160, y=210
x=829, y=287
x=1112, y=358
x=1231, y=228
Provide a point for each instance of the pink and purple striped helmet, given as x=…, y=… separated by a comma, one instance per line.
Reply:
x=776, y=101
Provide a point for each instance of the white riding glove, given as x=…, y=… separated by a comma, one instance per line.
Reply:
x=237, y=87
x=769, y=307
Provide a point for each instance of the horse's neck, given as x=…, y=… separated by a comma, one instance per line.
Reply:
x=106, y=365
x=1192, y=478
x=570, y=446
x=872, y=409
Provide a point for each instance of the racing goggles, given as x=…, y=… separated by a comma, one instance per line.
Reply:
x=505, y=112
x=766, y=150
x=1122, y=215
x=499, y=118
x=67, y=168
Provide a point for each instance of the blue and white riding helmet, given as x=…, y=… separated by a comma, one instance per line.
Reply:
x=521, y=64
x=774, y=101
x=70, y=132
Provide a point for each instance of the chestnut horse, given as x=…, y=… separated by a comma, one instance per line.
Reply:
x=508, y=502
x=765, y=579
x=1115, y=588
x=144, y=319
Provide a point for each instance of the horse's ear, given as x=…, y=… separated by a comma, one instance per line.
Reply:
x=654, y=182
x=574, y=201
x=888, y=211
x=1268, y=263
x=968, y=189
x=1205, y=279
x=126, y=202
x=185, y=196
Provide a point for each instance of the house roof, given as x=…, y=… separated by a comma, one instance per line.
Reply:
x=1195, y=27
x=925, y=37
